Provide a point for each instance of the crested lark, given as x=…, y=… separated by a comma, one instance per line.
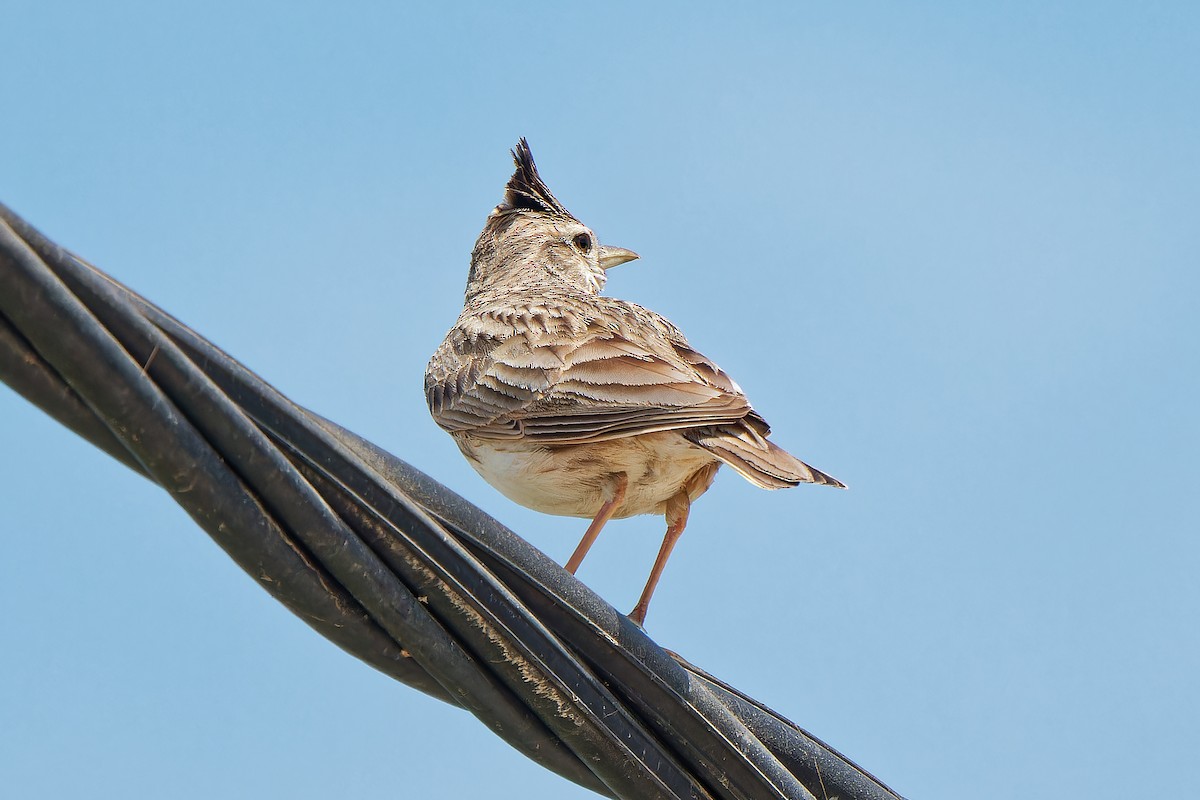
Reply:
x=573, y=403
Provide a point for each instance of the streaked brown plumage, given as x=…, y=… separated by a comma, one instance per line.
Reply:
x=573, y=403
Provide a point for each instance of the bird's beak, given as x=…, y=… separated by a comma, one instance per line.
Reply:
x=612, y=256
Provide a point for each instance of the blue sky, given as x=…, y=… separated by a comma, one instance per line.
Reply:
x=949, y=252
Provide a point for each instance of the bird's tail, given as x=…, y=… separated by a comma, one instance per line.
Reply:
x=757, y=459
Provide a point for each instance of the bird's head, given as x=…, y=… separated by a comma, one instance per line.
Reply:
x=531, y=242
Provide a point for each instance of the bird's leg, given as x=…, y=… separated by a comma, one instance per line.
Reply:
x=616, y=497
x=677, y=516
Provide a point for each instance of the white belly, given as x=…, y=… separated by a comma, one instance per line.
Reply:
x=574, y=480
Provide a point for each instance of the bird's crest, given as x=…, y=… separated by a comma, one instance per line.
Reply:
x=525, y=189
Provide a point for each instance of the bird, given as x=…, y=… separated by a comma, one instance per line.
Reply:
x=574, y=403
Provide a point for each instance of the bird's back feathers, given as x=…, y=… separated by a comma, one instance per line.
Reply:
x=581, y=369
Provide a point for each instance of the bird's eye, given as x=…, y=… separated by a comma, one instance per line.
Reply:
x=583, y=242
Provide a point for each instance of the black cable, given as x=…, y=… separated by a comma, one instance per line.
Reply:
x=385, y=562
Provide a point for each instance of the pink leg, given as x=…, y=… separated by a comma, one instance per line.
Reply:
x=677, y=516
x=602, y=516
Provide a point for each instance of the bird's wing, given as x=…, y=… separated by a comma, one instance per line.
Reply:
x=562, y=374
